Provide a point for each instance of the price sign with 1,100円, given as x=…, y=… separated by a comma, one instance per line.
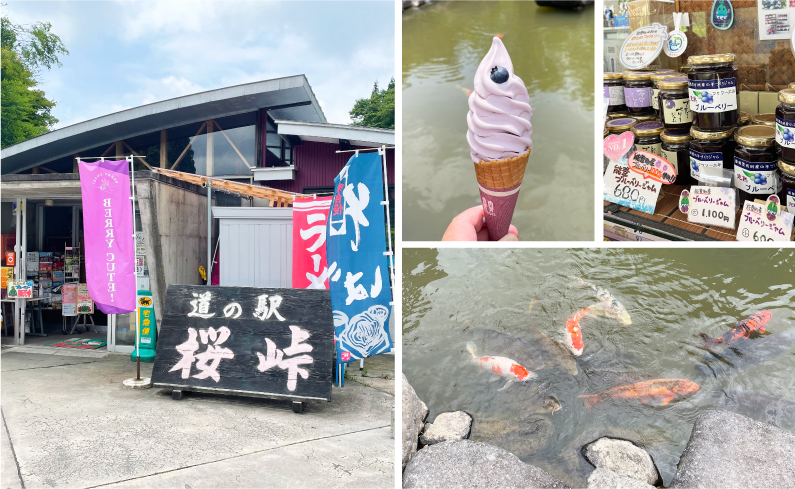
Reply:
x=754, y=226
x=711, y=206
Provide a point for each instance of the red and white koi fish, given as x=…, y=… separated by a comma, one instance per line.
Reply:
x=502, y=366
x=744, y=328
x=574, y=332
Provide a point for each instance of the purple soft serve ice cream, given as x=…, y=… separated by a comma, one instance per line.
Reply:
x=499, y=109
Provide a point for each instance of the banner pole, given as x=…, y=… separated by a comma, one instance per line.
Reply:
x=130, y=160
x=385, y=203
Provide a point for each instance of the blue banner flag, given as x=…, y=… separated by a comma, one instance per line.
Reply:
x=357, y=263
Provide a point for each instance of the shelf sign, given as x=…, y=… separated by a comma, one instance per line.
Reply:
x=643, y=46
x=711, y=206
x=754, y=225
x=651, y=166
x=627, y=188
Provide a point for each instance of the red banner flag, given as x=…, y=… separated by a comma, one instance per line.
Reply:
x=310, y=270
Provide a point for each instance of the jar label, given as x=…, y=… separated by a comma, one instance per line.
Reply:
x=785, y=133
x=700, y=160
x=637, y=97
x=615, y=94
x=677, y=111
x=713, y=95
x=671, y=157
x=756, y=178
x=791, y=200
x=651, y=148
x=655, y=92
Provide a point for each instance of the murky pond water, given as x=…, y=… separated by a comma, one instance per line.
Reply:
x=552, y=52
x=453, y=297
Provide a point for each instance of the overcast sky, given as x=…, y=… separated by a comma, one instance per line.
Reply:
x=128, y=53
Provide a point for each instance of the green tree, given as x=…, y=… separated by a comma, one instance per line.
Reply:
x=378, y=110
x=26, y=112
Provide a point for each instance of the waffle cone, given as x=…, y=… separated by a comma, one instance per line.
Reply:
x=504, y=173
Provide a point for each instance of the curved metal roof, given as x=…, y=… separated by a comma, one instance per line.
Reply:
x=289, y=98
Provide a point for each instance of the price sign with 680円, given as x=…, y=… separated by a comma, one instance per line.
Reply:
x=627, y=188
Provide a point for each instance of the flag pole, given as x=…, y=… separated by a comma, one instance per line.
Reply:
x=130, y=160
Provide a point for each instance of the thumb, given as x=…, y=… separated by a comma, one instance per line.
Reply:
x=509, y=237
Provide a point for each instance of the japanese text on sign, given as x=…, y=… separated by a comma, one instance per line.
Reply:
x=754, y=227
x=630, y=189
x=712, y=206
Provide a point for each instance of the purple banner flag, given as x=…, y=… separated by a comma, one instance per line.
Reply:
x=108, y=229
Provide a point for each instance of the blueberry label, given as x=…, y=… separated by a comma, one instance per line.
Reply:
x=671, y=157
x=701, y=160
x=654, y=99
x=713, y=95
x=637, y=97
x=677, y=111
x=651, y=148
x=755, y=178
x=785, y=133
x=791, y=200
x=615, y=94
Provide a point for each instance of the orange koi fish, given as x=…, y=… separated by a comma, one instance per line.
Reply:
x=743, y=329
x=502, y=366
x=574, y=332
x=664, y=389
x=498, y=35
x=465, y=90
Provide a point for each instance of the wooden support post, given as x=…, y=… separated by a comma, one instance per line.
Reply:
x=107, y=151
x=210, y=148
x=163, y=148
x=184, y=151
x=136, y=154
x=119, y=150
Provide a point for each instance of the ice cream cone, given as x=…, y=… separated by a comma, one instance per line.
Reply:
x=499, y=182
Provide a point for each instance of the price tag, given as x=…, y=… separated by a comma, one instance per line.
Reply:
x=628, y=188
x=643, y=46
x=754, y=226
x=650, y=166
x=713, y=206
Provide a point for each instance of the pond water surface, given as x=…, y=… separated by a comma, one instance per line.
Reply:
x=552, y=52
x=452, y=297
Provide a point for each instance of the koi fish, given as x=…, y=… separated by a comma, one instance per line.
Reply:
x=551, y=348
x=743, y=329
x=747, y=353
x=465, y=90
x=608, y=305
x=663, y=389
x=574, y=332
x=523, y=352
x=498, y=35
x=502, y=366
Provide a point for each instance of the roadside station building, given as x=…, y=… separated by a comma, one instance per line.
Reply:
x=272, y=134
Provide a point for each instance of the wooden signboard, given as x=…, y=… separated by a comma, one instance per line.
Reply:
x=261, y=342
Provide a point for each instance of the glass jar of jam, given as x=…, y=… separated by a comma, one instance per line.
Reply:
x=675, y=103
x=618, y=115
x=785, y=124
x=604, y=156
x=745, y=119
x=712, y=86
x=614, y=90
x=647, y=136
x=791, y=85
x=675, y=149
x=710, y=149
x=637, y=93
x=787, y=193
x=755, y=162
x=655, y=88
x=617, y=126
x=764, y=119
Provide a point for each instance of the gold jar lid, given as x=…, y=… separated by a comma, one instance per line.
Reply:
x=792, y=85
x=646, y=118
x=612, y=76
x=606, y=132
x=665, y=70
x=708, y=59
x=621, y=125
x=617, y=115
x=764, y=119
x=650, y=128
x=787, y=167
x=636, y=75
x=673, y=82
x=710, y=135
x=787, y=95
x=675, y=138
x=755, y=135
x=656, y=77
x=744, y=117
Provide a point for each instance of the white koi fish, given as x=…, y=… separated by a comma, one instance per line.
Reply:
x=608, y=305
